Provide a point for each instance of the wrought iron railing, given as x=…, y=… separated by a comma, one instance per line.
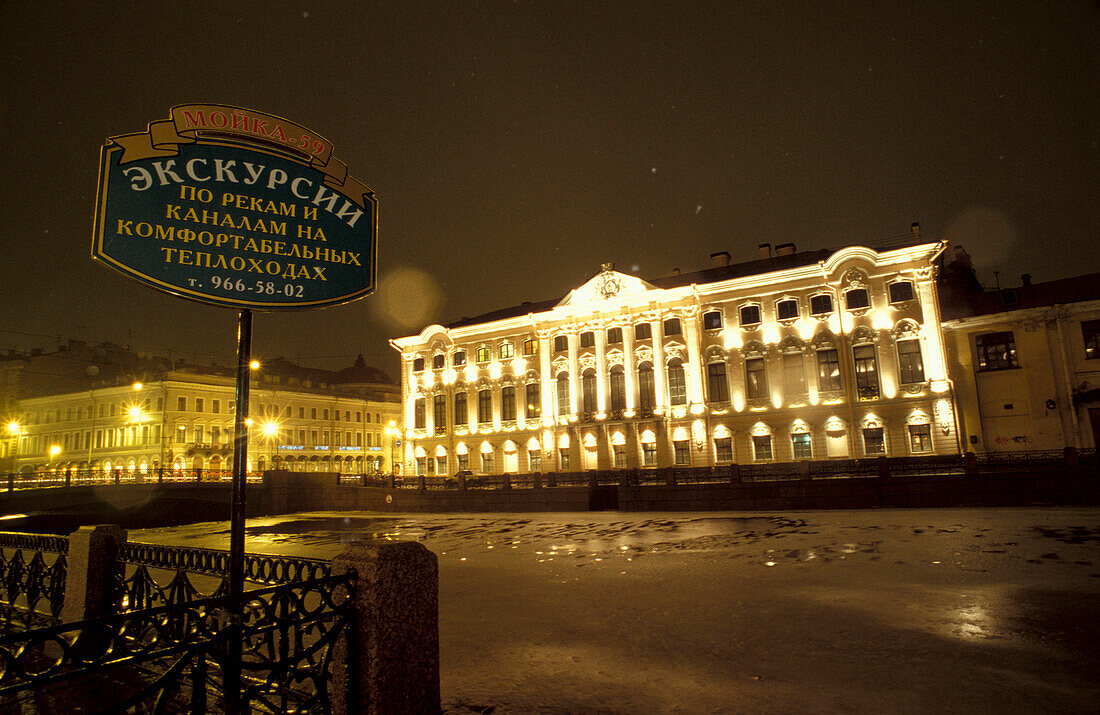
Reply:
x=171, y=658
x=32, y=576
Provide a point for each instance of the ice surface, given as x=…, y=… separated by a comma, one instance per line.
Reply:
x=908, y=611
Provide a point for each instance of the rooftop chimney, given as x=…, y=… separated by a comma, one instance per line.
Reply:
x=784, y=249
x=915, y=228
x=722, y=258
x=765, y=250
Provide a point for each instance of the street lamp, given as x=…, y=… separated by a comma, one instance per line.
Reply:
x=392, y=432
x=270, y=429
x=15, y=430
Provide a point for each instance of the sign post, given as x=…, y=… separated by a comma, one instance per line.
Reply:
x=241, y=209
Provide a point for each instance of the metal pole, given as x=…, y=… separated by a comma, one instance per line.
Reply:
x=237, y=512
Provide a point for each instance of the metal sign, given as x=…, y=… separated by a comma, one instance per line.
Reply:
x=237, y=208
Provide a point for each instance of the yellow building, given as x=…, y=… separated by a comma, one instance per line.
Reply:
x=795, y=356
x=1026, y=362
x=301, y=419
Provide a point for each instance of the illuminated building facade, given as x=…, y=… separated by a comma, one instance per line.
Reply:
x=1026, y=361
x=796, y=356
x=302, y=419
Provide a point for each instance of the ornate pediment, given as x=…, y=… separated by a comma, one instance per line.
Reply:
x=608, y=284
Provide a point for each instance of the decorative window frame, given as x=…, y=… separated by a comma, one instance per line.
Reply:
x=477, y=354
x=792, y=344
x=862, y=336
x=506, y=346
x=615, y=357
x=810, y=303
x=643, y=353
x=754, y=349
x=906, y=302
x=906, y=329
x=750, y=327
x=823, y=340
x=721, y=318
x=798, y=309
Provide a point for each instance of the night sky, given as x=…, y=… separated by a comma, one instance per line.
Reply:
x=514, y=147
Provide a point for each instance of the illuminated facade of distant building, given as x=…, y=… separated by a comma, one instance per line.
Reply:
x=796, y=356
x=302, y=419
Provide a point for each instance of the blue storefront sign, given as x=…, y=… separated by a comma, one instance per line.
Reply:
x=236, y=208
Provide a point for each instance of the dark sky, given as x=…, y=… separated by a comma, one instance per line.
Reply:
x=514, y=147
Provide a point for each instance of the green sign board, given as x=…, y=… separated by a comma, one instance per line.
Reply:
x=235, y=208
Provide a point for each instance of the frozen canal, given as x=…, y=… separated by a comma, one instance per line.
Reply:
x=909, y=611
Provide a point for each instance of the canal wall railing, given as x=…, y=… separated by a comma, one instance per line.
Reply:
x=100, y=623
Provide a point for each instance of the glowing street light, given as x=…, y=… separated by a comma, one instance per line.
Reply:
x=392, y=432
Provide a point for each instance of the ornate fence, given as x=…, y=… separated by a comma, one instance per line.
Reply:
x=165, y=644
x=171, y=658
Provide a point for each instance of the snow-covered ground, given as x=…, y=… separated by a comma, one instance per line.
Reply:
x=906, y=611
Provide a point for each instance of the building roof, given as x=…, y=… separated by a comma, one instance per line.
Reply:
x=707, y=275
x=1077, y=289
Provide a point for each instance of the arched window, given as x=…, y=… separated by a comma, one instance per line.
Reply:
x=677, y=387
x=618, y=389
x=646, y=394
x=588, y=391
x=563, y=393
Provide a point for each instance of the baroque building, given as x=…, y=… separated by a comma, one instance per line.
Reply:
x=795, y=356
x=137, y=413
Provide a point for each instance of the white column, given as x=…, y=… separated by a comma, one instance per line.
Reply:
x=574, y=373
x=936, y=361
x=601, y=370
x=546, y=379
x=628, y=366
x=690, y=325
x=660, y=378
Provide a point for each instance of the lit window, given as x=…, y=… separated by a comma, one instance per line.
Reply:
x=459, y=358
x=649, y=454
x=438, y=361
x=672, y=326
x=462, y=415
x=794, y=375
x=901, y=291
x=821, y=304
x=677, y=388
x=828, y=370
x=619, y=452
x=483, y=354
x=857, y=298
x=920, y=438
x=487, y=463
x=561, y=343
x=533, y=400
x=910, y=366
x=874, y=441
x=508, y=403
x=439, y=413
x=681, y=453
x=866, y=372
x=506, y=351
x=563, y=393
x=563, y=457
x=618, y=389
x=756, y=378
x=996, y=351
x=643, y=331
x=463, y=462
x=588, y=391
x=723, y=449
x=762, y=447
x=419, y=420
x=614, y=336
x=786, y=309
x=646, y=393
x=534, y=460
x=717, y=386
x=418, y=364
x=1090, y=331
x=802, y=446
x=484, y=406
x=712, y=320
x=441, y=465
x=530, y=347
x=750, y=315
